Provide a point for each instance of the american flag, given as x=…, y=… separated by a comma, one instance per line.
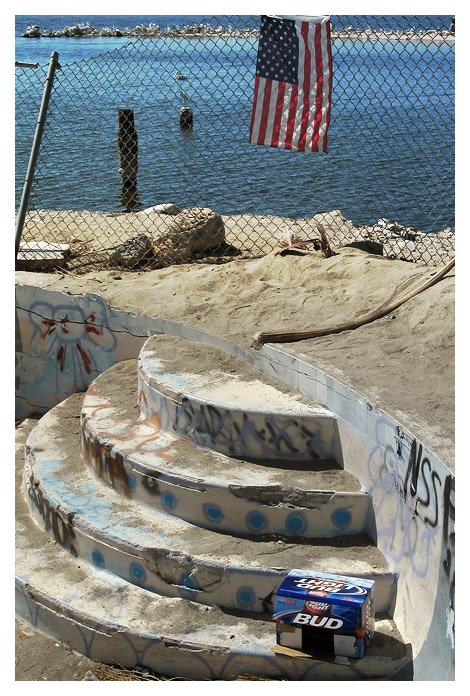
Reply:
x=291, y=102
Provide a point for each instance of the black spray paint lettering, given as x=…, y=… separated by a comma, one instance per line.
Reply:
x=62, y=529
x=107, y=466
x=416, y=472
x=449, y=537
x=216, y=425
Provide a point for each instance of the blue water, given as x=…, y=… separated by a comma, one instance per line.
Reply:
x=391, y=139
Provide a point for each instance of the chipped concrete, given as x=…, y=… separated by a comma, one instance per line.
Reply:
x=123, y=534
x=120, y=623
x=226, y=405
x=208, y=488
x=416, y=566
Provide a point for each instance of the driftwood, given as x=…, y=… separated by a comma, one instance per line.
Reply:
x=319, y=243
x=294, y=336
x=298, y=245
x=324, y=244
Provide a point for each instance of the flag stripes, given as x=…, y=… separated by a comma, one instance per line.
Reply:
x=293, y=115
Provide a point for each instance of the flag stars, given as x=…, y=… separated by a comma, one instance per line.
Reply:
x=278, y=50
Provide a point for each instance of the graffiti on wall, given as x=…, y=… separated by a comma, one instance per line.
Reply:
x=418, y=472
x=408, y=496
x=64, y=345
x=57, y=524
x=448, y=541
x=234, y=433
x=272, y=437
x=76, y=342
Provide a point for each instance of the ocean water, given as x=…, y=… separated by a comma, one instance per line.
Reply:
x=391, y=139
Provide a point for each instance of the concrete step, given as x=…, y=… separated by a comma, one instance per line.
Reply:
x=289, y=498
x=116, y=622
x=198, y=391
x=163, y=553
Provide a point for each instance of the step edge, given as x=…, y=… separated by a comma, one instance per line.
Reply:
x=226, y=573
x=90, y=530
x=146, y=470
x=174, y=395
x=76, y=617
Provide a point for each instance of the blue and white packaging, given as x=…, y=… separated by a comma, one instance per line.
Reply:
x=325, y=612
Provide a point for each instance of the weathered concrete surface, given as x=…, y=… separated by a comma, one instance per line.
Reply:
x=170, y=238
x=161, y=552
x=113, y=395
x=114, y=622
x=218, y=377
x=41, y=256
x=135, y=250
x=313, y=498
x=417, y=392
x=38, y=657
x=207, y=395
x=193, y=229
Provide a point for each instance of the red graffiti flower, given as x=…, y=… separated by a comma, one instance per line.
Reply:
x=52, y=324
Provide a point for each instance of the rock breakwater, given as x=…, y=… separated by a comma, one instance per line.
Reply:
x=203, y=30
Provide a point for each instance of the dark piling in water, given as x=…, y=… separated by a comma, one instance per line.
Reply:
x=186, y=118
x=128, y=157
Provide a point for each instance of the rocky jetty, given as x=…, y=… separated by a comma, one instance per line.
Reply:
x=151, y=31
x=408, y=244
x=203, y=30
x=384, y=237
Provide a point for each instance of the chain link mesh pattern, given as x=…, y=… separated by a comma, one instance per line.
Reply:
x=145, y=159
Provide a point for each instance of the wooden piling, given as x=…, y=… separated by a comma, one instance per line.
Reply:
x=186, y=118
x=128, y=156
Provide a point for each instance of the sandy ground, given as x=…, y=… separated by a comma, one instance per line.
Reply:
x=403, y=363
x=38, y=658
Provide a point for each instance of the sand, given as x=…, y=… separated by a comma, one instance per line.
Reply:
x=95, y=236
x=402, y=363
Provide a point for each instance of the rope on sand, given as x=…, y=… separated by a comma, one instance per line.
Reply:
x=294, y=336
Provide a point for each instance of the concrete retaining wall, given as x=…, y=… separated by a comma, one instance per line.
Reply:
x=63, y=342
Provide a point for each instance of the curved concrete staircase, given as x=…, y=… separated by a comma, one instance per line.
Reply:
x=162, y=510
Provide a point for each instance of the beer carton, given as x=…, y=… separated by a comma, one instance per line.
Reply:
x=323, y=612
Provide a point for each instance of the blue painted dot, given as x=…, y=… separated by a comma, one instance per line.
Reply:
x=255, y=521
x=169, y=501
x=97, y=558
x=341, y=518
x=245, y=597
x=296, y=523
x=132, y=481
x=212, y=513
x=137, y=573
x=189, y=586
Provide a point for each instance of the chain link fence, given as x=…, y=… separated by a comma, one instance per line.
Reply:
x=145, y=159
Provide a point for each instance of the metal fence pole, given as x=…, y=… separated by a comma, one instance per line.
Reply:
x=35, y=149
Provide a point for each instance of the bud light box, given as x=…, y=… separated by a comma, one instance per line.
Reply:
x=320, y=612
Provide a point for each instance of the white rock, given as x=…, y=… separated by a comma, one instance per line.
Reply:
x=162, y=209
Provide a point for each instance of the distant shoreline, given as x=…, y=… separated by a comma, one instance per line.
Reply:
x=201, y=31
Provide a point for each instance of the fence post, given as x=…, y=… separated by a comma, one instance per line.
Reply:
x=128, y=164
x=53, y=63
